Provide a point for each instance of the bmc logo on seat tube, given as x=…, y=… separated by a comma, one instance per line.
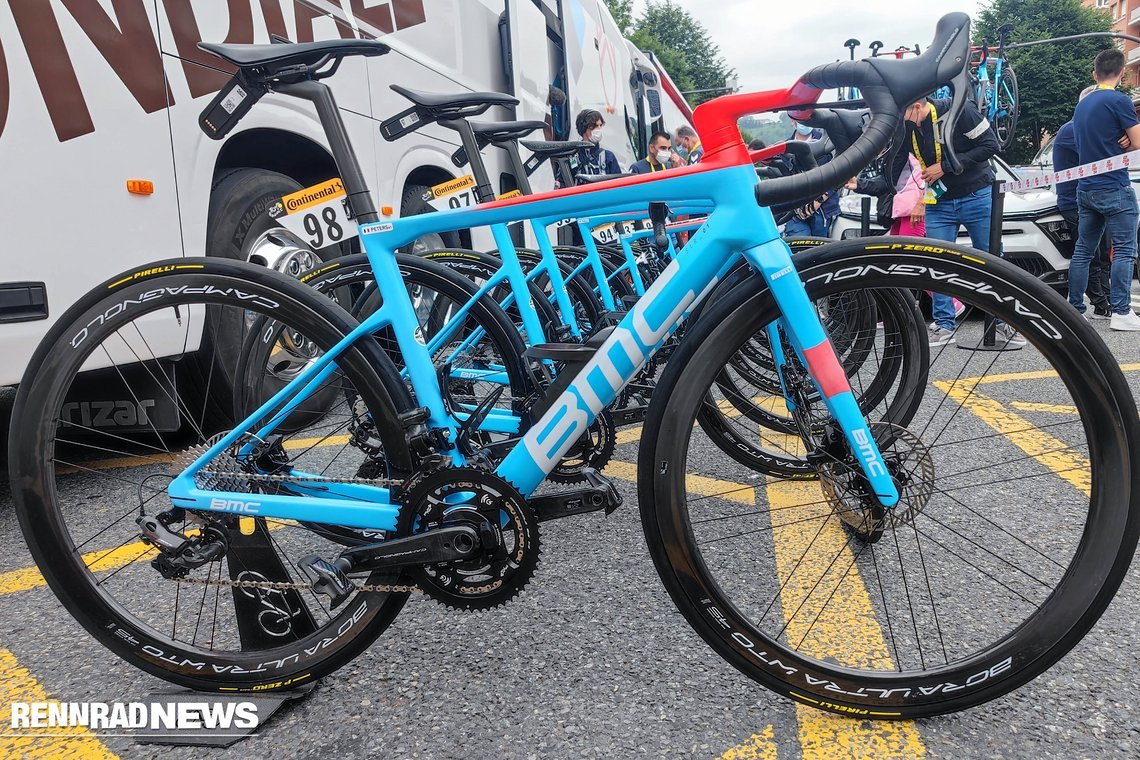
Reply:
x=616, y=362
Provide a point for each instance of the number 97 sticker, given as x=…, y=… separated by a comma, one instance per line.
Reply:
x=317, y=214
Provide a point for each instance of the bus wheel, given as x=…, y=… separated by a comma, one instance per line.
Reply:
x=240, y=226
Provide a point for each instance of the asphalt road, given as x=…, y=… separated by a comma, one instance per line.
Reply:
x=592, y=661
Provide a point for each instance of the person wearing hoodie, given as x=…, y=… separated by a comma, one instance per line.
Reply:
x=594, y=160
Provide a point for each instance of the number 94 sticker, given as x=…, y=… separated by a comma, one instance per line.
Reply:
x=318, y=214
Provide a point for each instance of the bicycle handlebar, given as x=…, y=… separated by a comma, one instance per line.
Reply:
x=888, y=86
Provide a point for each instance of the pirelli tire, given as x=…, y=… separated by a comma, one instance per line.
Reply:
x=45, y=522
x=985, y=670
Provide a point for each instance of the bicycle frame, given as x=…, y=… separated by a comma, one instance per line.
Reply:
x=736, y=227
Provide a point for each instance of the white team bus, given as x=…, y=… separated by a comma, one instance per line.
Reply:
x=105, y=167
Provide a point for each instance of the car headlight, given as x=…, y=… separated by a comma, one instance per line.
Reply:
x=1058, y=232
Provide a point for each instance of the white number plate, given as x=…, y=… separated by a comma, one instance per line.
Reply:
x=317, y=215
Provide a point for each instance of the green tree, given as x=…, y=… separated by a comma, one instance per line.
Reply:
x=622, y=11
x=682, y=45
x=1050, y=76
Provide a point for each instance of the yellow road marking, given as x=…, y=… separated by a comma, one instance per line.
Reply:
x=141, y=460
x=1051, y=452
x=1033, y=406
x=845, y=631
x=74, y=743
x=1043, y=374
x=28, y=578
x=761, y=746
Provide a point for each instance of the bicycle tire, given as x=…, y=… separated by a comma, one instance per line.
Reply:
x=183, y=286
x=1101, y=546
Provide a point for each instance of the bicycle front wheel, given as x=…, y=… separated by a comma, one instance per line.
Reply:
x=1017, y=521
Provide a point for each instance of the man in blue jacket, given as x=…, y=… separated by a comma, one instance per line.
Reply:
x=815, y=218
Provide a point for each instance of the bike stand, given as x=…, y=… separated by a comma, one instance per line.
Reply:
x=266, y=705
x=988, y=341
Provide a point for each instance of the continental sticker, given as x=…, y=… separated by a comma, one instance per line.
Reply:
x=311, y=196
x=453, y=186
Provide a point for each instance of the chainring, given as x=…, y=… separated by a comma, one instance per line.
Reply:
x=592, y=451
x=445, y=496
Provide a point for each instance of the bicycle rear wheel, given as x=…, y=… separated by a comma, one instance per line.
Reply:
x=1017, y=523
x=84, y=473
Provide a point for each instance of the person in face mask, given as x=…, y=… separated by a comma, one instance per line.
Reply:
x=595, y=159
x=660, y=157
x=690, y=143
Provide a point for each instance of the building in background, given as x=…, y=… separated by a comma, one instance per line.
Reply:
x=1125, y=16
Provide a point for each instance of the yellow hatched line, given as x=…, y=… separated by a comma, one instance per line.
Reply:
x=118, y=463
x=761, y=746
x=28, y=578
x=1034, y=406
x=1051, y=452
x=74, y=743
x=1043, y=374
x=843, y=628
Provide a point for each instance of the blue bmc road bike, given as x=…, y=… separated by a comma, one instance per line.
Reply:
x=938, y=560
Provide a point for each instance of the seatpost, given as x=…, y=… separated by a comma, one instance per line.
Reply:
x=359, y=199
x=484, y=191
x=523, y=181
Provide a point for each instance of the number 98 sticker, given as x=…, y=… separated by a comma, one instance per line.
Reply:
x=317, y=214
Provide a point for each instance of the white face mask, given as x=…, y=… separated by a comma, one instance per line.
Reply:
x=596, y=135
x=662, y=156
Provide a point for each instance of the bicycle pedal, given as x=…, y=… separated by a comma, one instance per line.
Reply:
x=598, y=494
x=631, y=415
x=630, y=301
x=327, y=579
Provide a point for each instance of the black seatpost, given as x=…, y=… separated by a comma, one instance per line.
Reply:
x=359, y=199
x=523, y=181
x=484, y=190
x=562, y=166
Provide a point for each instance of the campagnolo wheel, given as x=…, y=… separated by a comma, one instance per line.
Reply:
x=881, y=341
x=1017, y=519
x=228, y=608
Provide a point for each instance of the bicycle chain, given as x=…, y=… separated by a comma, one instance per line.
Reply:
x=262, y=478
x=384, y=588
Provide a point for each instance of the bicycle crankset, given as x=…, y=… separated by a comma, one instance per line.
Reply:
x=468, y=496
x=591, y=452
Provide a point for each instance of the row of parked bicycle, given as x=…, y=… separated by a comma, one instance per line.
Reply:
x=390, y=421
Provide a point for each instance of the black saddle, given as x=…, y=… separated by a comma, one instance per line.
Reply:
x=460, y=105
x=589, y=179
x=545, y=149
x=504, y=131
x=277, y=56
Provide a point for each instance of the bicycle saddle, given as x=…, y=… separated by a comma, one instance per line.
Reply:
x=545, y=149
x=504, y=131
x=455, y=105
x=279, y=55
x=589, y=179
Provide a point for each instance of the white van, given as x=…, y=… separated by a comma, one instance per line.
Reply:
x=105, y=167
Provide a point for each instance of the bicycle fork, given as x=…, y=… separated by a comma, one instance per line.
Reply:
x=805, y=332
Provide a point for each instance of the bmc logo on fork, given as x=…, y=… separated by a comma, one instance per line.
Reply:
x=873, y=464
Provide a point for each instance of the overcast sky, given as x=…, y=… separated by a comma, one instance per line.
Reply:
x=771, y=43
